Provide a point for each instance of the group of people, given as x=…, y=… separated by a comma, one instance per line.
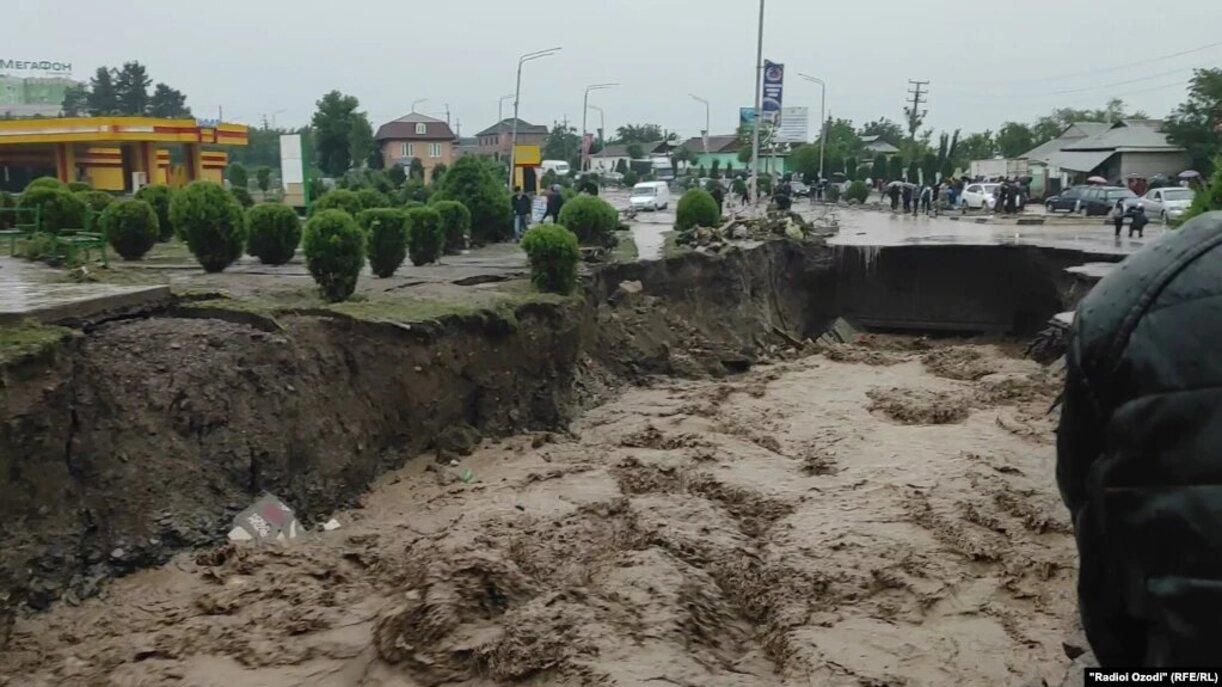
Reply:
x=523, y=208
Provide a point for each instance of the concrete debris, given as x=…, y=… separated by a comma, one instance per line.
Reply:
x=331, y=525
x=774, y=224
x=1051, y=343
x=267, y=519
x=840, y=332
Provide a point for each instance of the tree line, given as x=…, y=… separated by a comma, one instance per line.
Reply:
x=124, y=91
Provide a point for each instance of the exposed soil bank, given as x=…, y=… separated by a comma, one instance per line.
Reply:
x=147, y=435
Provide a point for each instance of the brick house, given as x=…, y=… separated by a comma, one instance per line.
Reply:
x=414, y=135
x=495, y=140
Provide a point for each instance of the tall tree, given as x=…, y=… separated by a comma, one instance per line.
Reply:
x=168, y=102
x=640, y=133
x=879, y=170
x=885, y=128
x=132, y=88
x=360, y=140
x=562, y=143
x=76, y=100
x=333, y=124
x=978, y=146
x=1197, y=123
x=102, y=99
x=1014, y=139
x=895, y=168
x=805, y=161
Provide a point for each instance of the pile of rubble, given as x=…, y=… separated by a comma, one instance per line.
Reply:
x=775, y=224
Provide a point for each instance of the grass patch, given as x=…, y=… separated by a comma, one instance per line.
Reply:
x=626, y=250
x=28, y=337
x=670, y=245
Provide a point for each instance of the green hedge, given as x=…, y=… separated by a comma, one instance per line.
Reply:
x=372, y=198
x=334, y=247
x=857, y=191
x=590, y=218
x=275, y=231
x=211, y=222
x=159, y=196
x=471, y=182
x=95, y=203
x=696, y=209
x=338, y=199
x=424, y=235
x=243, y=197
x=60, y=208
x=78, y=186
x=386, y=235
x=130, y=227
x=554, y=252
x=455, y=224
x=46, y=182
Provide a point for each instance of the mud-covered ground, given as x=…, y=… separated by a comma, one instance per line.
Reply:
x=877, y=514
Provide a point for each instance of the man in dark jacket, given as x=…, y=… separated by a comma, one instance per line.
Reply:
x=1139, y=453
x=555, y=199
x=521, y=212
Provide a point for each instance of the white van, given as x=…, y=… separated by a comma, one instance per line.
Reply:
x=650, y=195
x=558, y=166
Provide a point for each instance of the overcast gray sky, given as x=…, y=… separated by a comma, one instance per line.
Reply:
x=988, y=61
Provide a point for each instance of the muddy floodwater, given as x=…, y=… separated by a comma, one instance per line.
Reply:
x=876, y=514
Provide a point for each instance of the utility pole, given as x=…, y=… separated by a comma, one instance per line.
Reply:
x=517, y=100
x=759, y=106
x=914, y=112
x=447, y=114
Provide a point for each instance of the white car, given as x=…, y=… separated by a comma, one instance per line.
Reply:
x=1167, y=203
x=650, y=195
x=980, y=196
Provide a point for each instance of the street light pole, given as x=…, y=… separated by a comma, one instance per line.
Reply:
x=822, y=118
x=517, y=99
x=759, y=106
x=585, y=106
x=602, y=122
x=500, y=107
x=706, y=120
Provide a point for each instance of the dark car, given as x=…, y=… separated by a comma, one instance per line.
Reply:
x=1092, y=200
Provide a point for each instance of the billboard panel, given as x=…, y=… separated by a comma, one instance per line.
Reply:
x=291, y=167
x=794, y=126
x=774, y=85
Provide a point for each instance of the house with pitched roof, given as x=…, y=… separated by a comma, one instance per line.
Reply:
x=414, y=135
x=1129, y=152
x=496, y=139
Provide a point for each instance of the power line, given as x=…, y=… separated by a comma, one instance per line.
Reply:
x=1079, y=90
x=993, y=97
x=1105, y=70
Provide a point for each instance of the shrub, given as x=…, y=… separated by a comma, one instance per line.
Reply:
x=59, y=209
x=241, y=195
x=414, y=190
x=6, y=218
x=95, y=202
x=1207, y=199
x=263, y=178
x=471, y=183
x=696, y=209
x=46, y=182
x=275, y=232
x=338, y=199
x=590, y=218
x=408, y=205
x=211, y=222
x=334, y=247
x=455, y=224
x=630, y=178
x=40, y=246
x=78, y=186
x=236, y=173
x=372, y=198
x=553, y=251
x=832, y=193
x=159, y=196
x=857, y=191
x=424, y=235
x=130, y=227
x=386, y=237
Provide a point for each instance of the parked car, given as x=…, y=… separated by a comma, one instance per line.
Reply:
x=800, y=190
x=980, y=196
x=650, y=195
x=558, y=166
x=1067, y=201
x=1167, y=203
x=1092, y=200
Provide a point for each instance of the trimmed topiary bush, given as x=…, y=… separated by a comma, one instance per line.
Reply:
x=455, y=224
x=211, y=222
x=78, y=186
x=553, y=251
x=590, y=218
x=275, y=232
x=130, y=227
x=95, y=203
x=696, y=209
x=338, y=199
x=470, y=182
x=386, y=236
x=46, y=182
x=424, y=235
x=159, y=196
x=857, y=191
x=243, y=197
x=334, y=247
x=372, y=198
x=60, y=209
x=832, y=193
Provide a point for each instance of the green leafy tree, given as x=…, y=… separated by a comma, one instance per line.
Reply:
x=804, y=160
x=425, y=235
x=635, y=151
x=471, y=183
x=132, y=88
x=243, y=196
x=372, y=198
x=1207, y=199
x=397, y=175
x=913, y=172
x=59, y=208
x=158, y=196
x=1197, y=123
x=621, y=166
x=130, y=226
x=696, y=209
x=979, y=146
x=879, y=169
x=857, y=191
x=275, y=231
x=263, y=178
x=168, y=102
x=455, y=224
x=884, y=128
x=416, y=170
x=336, y=125
x=553, y=252
x=334, y=248
x=338, y=199
x=102, y=99
x=1014, y=139
x=715, y=169
x=895, y=168
x=641, y=133
x=386, y=233
x=415, y=190
x=929, y=168
x=439, y=172
x=211, y=222
x=95, y=203
x=76, y=101
x=237, y=175
x=361, y=146
x=562, y=143
x=630, y=178
x=590, y=218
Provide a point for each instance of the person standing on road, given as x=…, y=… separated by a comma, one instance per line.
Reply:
x=555, y=199
x=1117, y=215
x=521, y=212
x=1138, y=461
x=719, y=196
x=894, y=193
x=907, y=198
x=1139, y=222
x=926, y=199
